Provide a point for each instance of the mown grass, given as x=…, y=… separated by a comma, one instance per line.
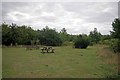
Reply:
x=66, y=62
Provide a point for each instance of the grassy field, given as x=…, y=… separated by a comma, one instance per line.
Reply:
x=67, y=62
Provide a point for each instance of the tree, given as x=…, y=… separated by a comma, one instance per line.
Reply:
x=65, y=36
x=26, y=35
x=0, y=34
x=49, y=37
x=95, y=36
x=22, y=35
x=116, y=34
x=116, y=28
x=64, y=31
x=105, y=37
x=6, y=39
x=13, y=33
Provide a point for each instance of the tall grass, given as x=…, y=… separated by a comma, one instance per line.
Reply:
x=109, y=60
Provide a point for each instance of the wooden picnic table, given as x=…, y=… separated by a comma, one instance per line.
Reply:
x=47, y=49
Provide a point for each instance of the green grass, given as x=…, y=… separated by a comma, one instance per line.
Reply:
x=65, y=62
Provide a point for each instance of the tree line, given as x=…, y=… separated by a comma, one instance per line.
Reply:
x=24, y=35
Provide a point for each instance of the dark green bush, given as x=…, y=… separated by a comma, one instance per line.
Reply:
x=115, y=45
x=81, y=42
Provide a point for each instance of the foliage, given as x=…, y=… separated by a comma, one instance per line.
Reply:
x=14, y=34
x=81, y=42
x=115, y=45
x=95, y=36
x=105, y=42
x=6, y=37
x=0, y=34
x=116, y=34
x=67, y=43
x=65, y=36
x=64, y=31
x=116, y=28
x=25, y=35
x=105, y=37
x=49, y=37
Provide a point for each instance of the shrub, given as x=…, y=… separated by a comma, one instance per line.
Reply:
x=91, y=43
x=81, y=42
x=67, y=43
x=115, y=45
x=105, y=42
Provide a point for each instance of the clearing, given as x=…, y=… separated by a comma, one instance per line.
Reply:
x=67, y=62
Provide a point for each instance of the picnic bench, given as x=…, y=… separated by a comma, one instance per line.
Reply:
x=47, y=49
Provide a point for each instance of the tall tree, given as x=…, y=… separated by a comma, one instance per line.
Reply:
x=0, y=34
x=95, y=36
x=116, y=28
x=13, y=33
x=64, y=31
x=64, y=35
x=49, y=37
x=6, y=37
x=116, y=34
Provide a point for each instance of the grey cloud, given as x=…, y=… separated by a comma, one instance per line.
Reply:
x=48, y=18
x=93, y=12
x=12, y=6
x=49, y=7
x=76, y=17
x=0, y=12
x=101, y=18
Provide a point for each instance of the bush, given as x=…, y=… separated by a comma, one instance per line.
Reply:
x=67, y=43
x=115, y=45
x=81, y=42
x=105, y=42
x=91, y=43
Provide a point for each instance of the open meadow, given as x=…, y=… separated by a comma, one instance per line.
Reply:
x=60, y=40
x=94, y=62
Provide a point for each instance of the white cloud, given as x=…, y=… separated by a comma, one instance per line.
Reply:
x=60, y=0
x=76, y=17
x=18, y=16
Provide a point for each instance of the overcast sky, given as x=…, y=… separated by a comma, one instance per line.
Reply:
x=76, y=17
